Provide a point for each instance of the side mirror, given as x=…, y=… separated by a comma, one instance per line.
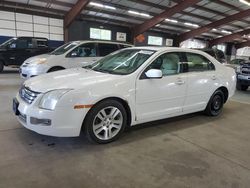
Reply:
x=73, y=54
x=154, y=73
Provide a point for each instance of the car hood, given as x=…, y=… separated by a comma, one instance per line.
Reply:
x=76, y=78
x=35, y=59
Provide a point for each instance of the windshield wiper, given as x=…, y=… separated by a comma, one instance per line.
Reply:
x=101, y=70
x=87, y=67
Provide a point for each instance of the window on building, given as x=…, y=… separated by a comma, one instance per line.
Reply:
x=221, y=47
x=152, y=40
x=102, y=34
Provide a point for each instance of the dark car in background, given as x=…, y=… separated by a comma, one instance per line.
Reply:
x=217, y=54
x=242, y=69
x=237, y=61
x=15, y=51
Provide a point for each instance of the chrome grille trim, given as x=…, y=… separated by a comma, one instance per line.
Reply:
x=245, y=69
x=27, y=95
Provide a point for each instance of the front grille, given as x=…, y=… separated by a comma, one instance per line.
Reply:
x=246, y=72
x=28, y=95
x=245, y=69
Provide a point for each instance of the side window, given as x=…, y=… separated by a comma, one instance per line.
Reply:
x=121, y=46
x=21, y=44
x=42, y=43
x=168, y=63
x=105, y=48
x=197, y=63
x=84, y=50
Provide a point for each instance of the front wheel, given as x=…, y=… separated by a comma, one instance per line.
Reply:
x=53, y=69
x=215, y=104
x=105, y=122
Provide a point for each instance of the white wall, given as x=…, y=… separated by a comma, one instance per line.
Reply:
x=15, y=24
x=245, y=52
x=193, y=43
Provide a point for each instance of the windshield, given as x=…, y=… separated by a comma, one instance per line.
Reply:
x=122, y=62
x=8, y=42
x=64, y=48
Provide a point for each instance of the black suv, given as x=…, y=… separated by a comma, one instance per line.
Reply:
x=243, y=76
x=15, y=51
x=217, y=54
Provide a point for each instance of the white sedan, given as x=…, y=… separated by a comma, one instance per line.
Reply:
x=127, y=87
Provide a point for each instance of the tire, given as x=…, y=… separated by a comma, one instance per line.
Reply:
x=241, y=87
x=99, y=125
x=1, y=66
x=215, y=104
x=53, y=69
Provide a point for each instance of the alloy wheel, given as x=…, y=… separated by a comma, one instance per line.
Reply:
x=107, y=123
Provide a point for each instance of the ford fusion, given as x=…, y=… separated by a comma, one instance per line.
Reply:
x=128, y=87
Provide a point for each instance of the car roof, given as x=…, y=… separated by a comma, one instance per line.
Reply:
x=159, y=49
x=102, y=41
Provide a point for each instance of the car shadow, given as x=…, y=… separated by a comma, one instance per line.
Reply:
x=131, y=134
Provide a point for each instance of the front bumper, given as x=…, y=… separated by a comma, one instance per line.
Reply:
x=62, y=122
x=243, y=79
x=28, y=72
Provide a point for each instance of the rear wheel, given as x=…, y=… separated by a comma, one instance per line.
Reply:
x=1, y=66
x=53, y=69
x=215, y=104
x=105, y=122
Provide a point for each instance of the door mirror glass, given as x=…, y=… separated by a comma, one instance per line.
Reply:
x=154, y=73
x=73, y=54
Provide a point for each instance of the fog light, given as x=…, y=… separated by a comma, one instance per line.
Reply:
x=37, y=121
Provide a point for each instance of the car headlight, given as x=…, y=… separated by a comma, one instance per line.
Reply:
x=41, y=61
x=50, y=99
x=37, y=62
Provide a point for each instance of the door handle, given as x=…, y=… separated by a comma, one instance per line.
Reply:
x=180, y=82
x=213, y=77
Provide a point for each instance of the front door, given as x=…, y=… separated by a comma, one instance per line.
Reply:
x=82, y=55
x=160, y=98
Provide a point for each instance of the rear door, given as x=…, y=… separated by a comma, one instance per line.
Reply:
x=40, y=46
x=201, y=78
